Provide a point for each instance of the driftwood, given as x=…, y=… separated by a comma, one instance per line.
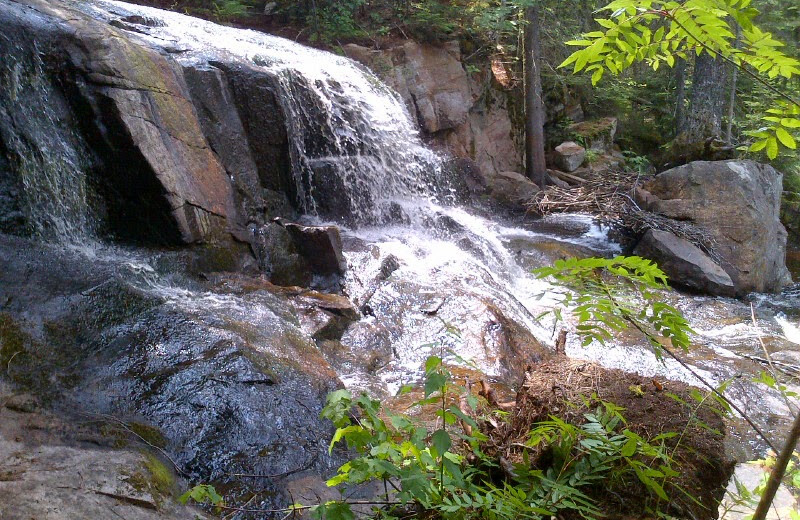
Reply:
x=572, y=180
x=609, y=197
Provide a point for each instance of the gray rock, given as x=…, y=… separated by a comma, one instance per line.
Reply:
x=684, y=263
x=737, y=203
x=511, y=189
x=222, y=378
x=569, y=156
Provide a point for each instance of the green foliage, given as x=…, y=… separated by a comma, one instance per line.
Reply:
x=637, y=162
x=659, y=32
x=609, y=295
x=336, y=20
x=429, y=471
x=228, y=9
x=202, y=493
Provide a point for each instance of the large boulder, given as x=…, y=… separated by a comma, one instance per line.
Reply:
x=684, y=263
x=737, y=203
x=598, y=134
x=227, y=382
x=510, y=189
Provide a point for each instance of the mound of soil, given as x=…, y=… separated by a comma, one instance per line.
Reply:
x=568, y=389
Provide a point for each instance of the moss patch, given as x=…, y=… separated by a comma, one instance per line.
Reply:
x=155, y=479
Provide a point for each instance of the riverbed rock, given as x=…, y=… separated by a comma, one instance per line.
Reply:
x=738, y=204
x=569, y=156
x=321, y=246
x=684, y=263
x=56, y=468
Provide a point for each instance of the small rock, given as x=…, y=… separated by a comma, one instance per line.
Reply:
x=684, y=263
x=269, y=8
x=24, y=403
x=569, y=156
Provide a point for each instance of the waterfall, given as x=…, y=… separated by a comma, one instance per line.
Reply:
x=356, y=153
x=50, y=157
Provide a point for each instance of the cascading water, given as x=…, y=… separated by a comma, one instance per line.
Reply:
x=49, y=155
x=355, y=151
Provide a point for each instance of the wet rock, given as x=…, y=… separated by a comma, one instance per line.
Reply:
x=684, y=263
x=598, y=134
x=280, y=257
x=510, y=189
x=321, y=246
x=229, y=380
x=12, y=218
x=389, y=265
x=324, y=316
x=737, y=203
x=569, y=156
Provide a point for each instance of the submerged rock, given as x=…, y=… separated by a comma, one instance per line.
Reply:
x=738, y=204
x=684, y=263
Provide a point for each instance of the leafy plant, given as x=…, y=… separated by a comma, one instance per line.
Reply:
x=661, y=32
x=612, y=294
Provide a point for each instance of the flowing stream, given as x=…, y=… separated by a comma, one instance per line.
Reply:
x=358, y=162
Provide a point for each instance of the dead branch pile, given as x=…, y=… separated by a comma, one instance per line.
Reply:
x=609, y=196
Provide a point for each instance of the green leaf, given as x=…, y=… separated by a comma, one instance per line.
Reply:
x=441, y=441
x=758, y=146
x=785, y=138
x=772, y=148
x=789, y=122
x=432, y=363
x=629, y=448
x=434, y=383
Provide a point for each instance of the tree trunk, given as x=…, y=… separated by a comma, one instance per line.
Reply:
x=707, y=99
x=535, y=167
x=680, y=95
